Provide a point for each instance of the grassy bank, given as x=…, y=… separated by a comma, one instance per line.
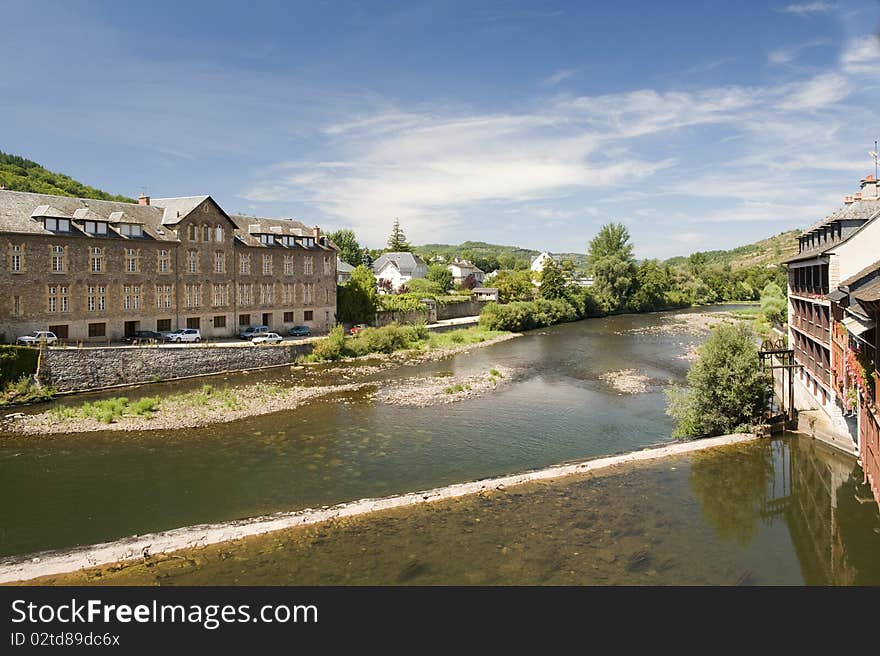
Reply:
x=393, y=338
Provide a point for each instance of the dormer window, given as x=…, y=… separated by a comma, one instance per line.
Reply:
x=267, y=240
x=131, y=230
x=95, y=227
x=287, y=241
x=308, y=242
x=56, y=225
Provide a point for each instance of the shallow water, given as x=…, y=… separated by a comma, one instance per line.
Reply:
x=62, y=491
x=761, y=513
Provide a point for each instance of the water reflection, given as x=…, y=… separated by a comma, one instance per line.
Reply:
x=764, y=513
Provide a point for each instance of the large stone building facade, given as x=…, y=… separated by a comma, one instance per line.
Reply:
x=93, y=270
x=822, y=332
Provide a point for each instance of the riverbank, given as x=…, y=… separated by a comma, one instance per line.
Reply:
x=214, y=405
x=86, y=564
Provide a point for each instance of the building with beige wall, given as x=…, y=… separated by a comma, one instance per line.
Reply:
x=97, y=270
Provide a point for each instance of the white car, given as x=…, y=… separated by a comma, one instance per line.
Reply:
x=38, y=337
x=184, y=335
x=268, y=338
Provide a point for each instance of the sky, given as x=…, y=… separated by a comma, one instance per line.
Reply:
x=700, y=125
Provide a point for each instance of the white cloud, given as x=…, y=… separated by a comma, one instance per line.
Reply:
x=806, y=8
x=814, y=94
x=783, y=56
x=861, y=55
x=559, y=76
x=690, y=238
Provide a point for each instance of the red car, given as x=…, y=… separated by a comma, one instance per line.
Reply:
x=357, y=328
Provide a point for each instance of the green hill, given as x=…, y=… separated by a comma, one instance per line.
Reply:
x=20, y=174
x=489, y=257
x=772, y=250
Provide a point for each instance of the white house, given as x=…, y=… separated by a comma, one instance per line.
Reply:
x=343, y=272
x=399, y=268
x=540, y=260
x=461, y=269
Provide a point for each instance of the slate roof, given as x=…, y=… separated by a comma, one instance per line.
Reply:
x=248, y=229
x=406, y=263
x=19, y=209
x=864, y=273
x=343, y=267
x=861, y=210
x=869, y=293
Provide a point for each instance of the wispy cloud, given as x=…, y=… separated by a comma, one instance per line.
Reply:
x=782, y=56
x=816, y=93
x=559, y=76
x=862, y=55
x=806, y=8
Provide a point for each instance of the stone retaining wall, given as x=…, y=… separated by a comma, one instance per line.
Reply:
x=69, y=370
x=461, y=309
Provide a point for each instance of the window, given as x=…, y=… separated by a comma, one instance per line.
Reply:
x=16, y=256
x=219, y=262
x=245, y=264
x=58, y=257
x=163, y=296
x=95, y=227
x=308, y=315
x=16, y=306
x=287, y=293
x=163, y=325
x=288, y=317
x=327, y=296
x=288, y=265
x=57, y=225
x=192, y=258
x=267, y=291
x=327, y=270
x=220, y=322
x=192, y=296
x=218, y=234
x=131, y=297
x=206, y=233
x=131, y=260
x=267, y=240
x=102, y=298
x=308, y=242
x=96, y=259
x=58, y=298
x=244, y=294
x=192, y=233
x=164, y=265
x=219, y=295
x=308, y=265
x=131, y=230
x=193, y=322
x=308, y=293
x=97, y=330
x=91, y=305
x=267, y=265
x=244, y=320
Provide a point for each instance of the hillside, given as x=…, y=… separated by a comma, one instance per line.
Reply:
x=491, y=256
x=20, y=174
x=772, y=250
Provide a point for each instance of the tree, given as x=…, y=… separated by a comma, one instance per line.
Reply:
x=610, y=260
x=774, y=305
x=357, y=299
x=727, y=390
x=514, y=286
x=349, y=249
x=653, y=283
x=367, y=258
x=397, y=242
x=469, y=282
x=440, y=275
x=552, y=281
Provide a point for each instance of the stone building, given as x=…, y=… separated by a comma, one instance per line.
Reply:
x=830, y=254
x=97, y=270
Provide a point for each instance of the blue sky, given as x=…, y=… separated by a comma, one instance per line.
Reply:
x=700, y=125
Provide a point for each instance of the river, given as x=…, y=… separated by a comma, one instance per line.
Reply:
x=62, y=491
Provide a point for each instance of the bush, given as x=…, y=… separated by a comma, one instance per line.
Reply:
x=331, y=347
x=17, y=362
x=727, y=390
x=526, y=315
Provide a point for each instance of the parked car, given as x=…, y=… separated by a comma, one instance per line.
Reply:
x=357, y=328
x=143, y=336
x=300, y=331
x=38, y=336
x=268, y=338
x=184, y=335
x=254, y=331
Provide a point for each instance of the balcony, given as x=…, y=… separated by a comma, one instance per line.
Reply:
x=809, y=291
x=817, y=331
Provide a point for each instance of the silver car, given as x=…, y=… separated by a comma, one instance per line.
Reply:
x=38, y=337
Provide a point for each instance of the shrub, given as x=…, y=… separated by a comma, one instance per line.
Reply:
x=526, y=315
x=17, y=362
x=727, y=390
x=331, y=347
